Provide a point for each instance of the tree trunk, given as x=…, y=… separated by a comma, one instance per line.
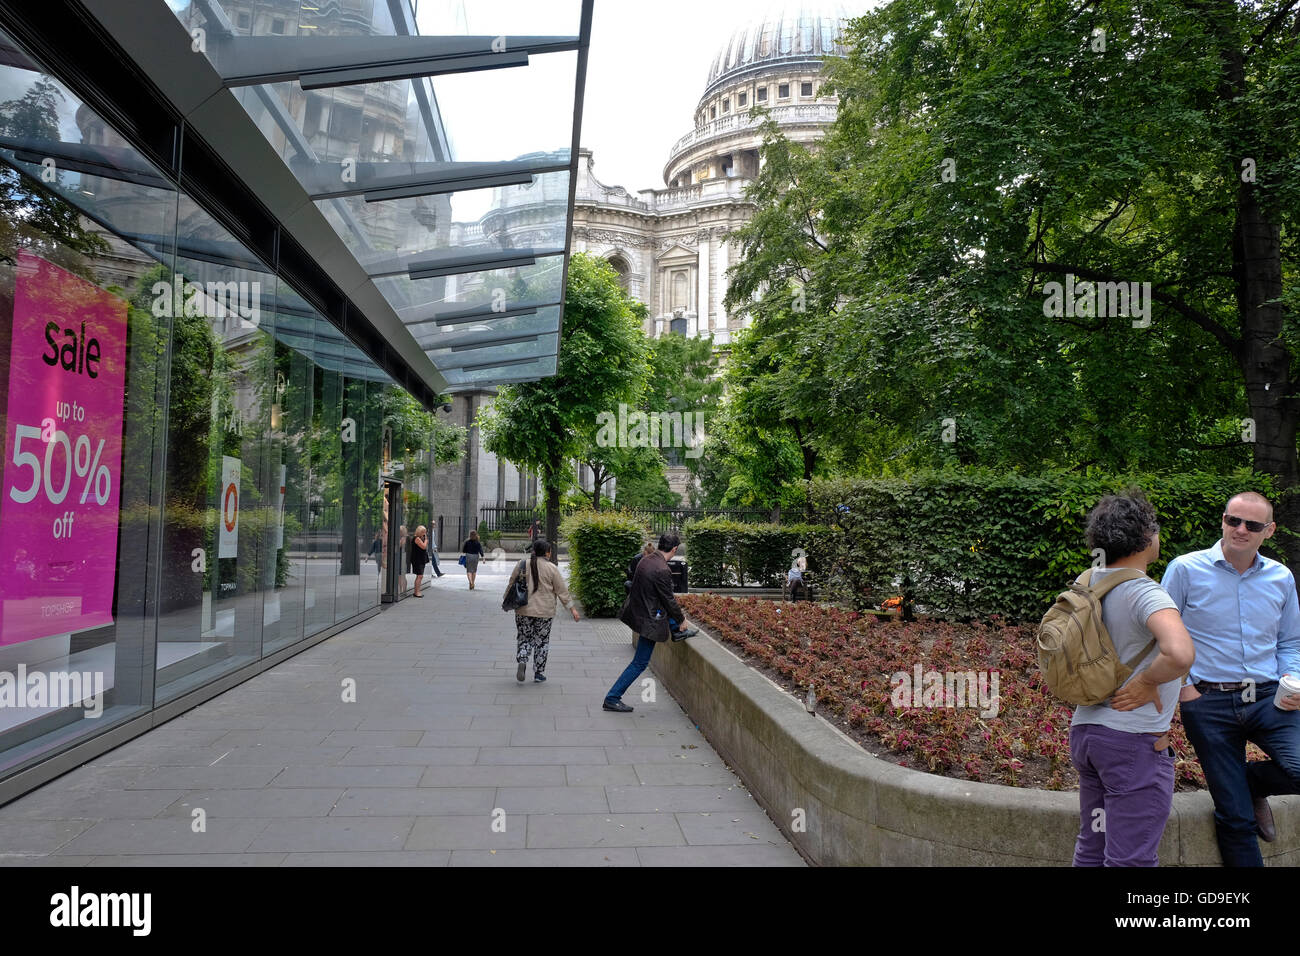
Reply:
x=1264, y=361
x=551, y=477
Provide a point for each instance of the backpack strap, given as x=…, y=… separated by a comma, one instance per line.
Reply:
x=1101, y=589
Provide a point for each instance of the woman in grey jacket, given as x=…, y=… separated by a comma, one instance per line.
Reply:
x=533, y=620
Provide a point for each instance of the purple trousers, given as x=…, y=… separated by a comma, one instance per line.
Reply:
x=1126, y=790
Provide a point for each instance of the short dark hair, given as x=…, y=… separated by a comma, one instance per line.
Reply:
x=668, y=541
x=1250, y=496
x=1122, y=525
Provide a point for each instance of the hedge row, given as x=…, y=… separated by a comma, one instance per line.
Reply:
x=724, y=553
x=972, y=544
x=601, y=544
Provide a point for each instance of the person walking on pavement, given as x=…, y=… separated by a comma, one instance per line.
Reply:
x=533, y=620
x=433, y=552
x=649, y=607
x=473, y=550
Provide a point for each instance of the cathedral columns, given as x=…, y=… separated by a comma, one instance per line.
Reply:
x=719, y=309
x=701, y=321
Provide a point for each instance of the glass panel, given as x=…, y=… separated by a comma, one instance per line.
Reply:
x=220, y=485
x=432, y=338
x=324, y=498
x=477, y=220
x=459, y=378
x=82, y=365
x=294, y=377
x=502, y=289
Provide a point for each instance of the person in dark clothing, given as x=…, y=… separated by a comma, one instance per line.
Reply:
x=673, y=625
x=419, y=556
x=473, y=550
x=649, y=607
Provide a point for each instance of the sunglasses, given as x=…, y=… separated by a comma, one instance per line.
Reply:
x=1254, y=527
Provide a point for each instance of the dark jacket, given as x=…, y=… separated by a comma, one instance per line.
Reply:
x=652, y=591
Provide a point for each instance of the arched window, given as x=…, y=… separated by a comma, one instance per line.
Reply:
x=621, y=267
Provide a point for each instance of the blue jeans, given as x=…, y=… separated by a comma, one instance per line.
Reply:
x=433, y=559
x=644, y=648
x=1218, y=724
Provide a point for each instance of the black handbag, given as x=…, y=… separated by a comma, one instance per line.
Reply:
x=517, y=591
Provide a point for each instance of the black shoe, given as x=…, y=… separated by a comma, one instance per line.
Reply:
x=617, y=706
x=684, y=633
x=539, y=678
x=1264, y=820
x=520, y=671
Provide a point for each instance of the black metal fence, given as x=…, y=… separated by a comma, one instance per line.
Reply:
x=509, y=520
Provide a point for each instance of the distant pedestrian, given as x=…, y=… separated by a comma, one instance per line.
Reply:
x=376, y=553
x=649, y=608
x=533, y=620
x=534, y=531
x=433, y=552
x=419, y=556
x=473, y=550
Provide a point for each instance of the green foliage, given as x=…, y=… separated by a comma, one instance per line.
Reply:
x=724, y=553
x=647, y=489
x=971, y=543
x=31, y=217
x=602, y=362
x=896, y=276
x=601, y=544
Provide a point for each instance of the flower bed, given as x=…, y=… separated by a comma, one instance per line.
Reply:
x=851, y=662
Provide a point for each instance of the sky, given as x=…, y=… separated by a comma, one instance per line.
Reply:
x=646, y=71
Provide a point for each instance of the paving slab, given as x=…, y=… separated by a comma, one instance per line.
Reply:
x=443, y=759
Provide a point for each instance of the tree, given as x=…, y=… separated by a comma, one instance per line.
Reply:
x=41, y=220
x=983, y=152
x=602, y=362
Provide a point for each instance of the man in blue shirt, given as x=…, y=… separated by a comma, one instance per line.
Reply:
x=1242, y=613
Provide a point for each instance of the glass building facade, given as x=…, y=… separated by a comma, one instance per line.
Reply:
x=204, y=448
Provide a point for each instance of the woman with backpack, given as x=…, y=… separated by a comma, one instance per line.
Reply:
x=533, y=620
x=1120, y=746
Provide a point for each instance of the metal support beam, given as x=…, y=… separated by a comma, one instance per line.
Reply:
x=317, y=62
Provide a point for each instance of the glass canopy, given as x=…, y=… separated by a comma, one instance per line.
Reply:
x=438, y=146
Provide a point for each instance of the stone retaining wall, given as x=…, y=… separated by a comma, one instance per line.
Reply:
x=861, y=810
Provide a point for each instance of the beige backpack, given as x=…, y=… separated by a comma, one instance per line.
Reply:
x=1076, y=656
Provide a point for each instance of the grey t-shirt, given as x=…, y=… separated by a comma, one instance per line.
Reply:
x=1124, y=611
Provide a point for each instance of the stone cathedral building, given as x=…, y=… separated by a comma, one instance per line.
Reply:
x=668, y=244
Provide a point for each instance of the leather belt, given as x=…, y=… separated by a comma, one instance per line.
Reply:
x=1205, y=685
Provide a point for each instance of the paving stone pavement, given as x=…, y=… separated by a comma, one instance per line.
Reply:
x=443, y=759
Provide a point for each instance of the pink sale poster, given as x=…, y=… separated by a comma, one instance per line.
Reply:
x=63, y=454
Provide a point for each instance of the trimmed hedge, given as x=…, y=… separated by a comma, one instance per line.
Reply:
x=601, y=544
x=970, y=544
x=724, y=553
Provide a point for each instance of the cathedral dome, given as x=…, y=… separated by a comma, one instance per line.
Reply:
x=794, y=36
